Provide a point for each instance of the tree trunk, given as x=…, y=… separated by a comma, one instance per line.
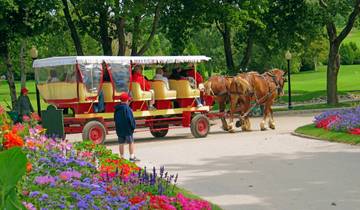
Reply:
x=104, y=33
x=332, y=73
x=121, y=36
x=228, y=48
x=22, y=64
x=9, y=74
x=248, y=50
x=153, y=31
x=74, y=34
x=135, y=35
x=334, y=57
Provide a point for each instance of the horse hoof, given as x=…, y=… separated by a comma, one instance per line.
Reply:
x=272, y=127
x=232, y=131
x=263, y=129
x=239, y=123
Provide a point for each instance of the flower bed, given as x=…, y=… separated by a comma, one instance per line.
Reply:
x=61, y=175
x=345, y=120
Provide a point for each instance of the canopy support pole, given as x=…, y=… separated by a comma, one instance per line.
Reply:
x=38, y=100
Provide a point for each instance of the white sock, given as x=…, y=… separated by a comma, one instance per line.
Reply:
x=132, y=155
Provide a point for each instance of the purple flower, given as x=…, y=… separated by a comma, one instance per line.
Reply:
x=95, y=207
x=42, y=180
x=96, y=192
x=75, y=195
x=82, y=204
x=34, y=194
x=88, y=197
x=44, y=197
x=347, y=119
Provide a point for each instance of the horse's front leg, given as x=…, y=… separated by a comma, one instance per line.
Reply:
x=265, y=115
x=271, y=119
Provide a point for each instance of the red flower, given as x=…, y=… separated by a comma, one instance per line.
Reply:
x=136, y=199
x=355, y=131
x=324, y=123
x=28, y=167
x=12, y=140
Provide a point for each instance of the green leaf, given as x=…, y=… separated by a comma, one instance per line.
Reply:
x=12, y=168
x=12, y=201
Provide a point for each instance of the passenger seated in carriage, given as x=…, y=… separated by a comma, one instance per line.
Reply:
x=138, y=77
x=160, y=76
x=178, y=74
x=53, y=77
x=190, y=72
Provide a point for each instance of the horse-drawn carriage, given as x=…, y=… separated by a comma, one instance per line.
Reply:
x=76, y=83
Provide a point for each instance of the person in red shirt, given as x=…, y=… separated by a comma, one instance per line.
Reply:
x=138, y=77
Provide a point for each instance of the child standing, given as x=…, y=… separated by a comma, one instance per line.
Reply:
x=125, y=126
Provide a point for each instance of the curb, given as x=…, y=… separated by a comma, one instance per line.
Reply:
x=307, y=111
x=307, y=136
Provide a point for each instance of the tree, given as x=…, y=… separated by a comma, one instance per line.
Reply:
x=110, y=21
x=19, y=19
x=331, y=9
x=74, y=32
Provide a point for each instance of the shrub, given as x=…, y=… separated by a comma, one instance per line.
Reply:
x=350, y=54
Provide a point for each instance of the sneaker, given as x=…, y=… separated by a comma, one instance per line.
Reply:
x=135, y=159
x=200, y=105
x=151, y=107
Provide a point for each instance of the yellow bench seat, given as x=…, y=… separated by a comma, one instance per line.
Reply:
x=161, y=91
x=139, y=95
x=183, y=89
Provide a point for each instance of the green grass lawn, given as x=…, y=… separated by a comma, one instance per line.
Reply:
x=308, y=85
x=5, y=95
x=311, y=130
x=354, y=36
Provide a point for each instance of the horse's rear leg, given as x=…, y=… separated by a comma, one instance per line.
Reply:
x=233, y=103
x=222, y=107
x=246, y=126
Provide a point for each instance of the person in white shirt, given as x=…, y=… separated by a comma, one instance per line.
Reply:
x=160, y=76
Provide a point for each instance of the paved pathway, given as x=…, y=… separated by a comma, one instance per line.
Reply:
x=260, y=170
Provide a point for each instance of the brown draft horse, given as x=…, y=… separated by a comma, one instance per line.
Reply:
x=263, y=91
x=220, y=88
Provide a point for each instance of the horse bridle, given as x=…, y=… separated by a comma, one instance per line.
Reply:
x=278, y=86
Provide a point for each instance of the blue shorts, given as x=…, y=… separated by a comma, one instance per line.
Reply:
x=126, y=139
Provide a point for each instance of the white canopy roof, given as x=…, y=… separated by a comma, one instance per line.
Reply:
x=69, y=60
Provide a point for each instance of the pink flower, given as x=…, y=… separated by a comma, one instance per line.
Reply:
x=29, y=206
x=43, y=180
x=67, y=175
x=26, y=118
x=86, y=154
